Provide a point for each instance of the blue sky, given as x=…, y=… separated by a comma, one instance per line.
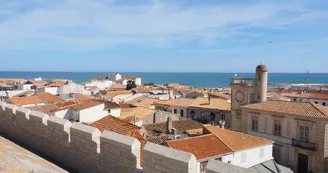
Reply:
x=164, y=35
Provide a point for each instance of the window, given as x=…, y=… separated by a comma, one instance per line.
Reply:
x=304, y=134
x=300, y=100
x=323, y=103
x=203, y=167
x=181, y=112
x=175, y=111
x=243, y=157
x=192, y=113
x=316, y=102
x=254, y=123
x=212, y=117
x=223, y=117
x=294, y=99
x=277, y=128
x=108, y=110
x=261, y=152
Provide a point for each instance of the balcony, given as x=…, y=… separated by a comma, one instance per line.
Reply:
x=243, y=81
x=303, y=145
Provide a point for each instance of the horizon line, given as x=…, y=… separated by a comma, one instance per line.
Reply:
x=152, y=72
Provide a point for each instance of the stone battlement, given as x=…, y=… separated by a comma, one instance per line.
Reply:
x=85, y=149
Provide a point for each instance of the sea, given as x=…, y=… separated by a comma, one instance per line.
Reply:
x=208, y=80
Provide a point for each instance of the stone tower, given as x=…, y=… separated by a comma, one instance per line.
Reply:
x=247, y=91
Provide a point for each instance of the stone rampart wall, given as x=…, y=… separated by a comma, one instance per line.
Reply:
x=84, y=149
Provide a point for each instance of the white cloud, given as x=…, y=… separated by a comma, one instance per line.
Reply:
x=69, y=24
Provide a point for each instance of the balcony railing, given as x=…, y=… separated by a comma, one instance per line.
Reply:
x=243, y=81
x=304, y=145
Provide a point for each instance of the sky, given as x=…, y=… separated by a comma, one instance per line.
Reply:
x=164, y=35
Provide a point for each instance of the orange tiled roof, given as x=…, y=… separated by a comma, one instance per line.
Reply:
x=142, y=102
x=219, y=95
x=118, y=86
x=158, y=139
x=178, y=86
x=85, y=105
x=116, y=125
x=113, y=94
x=66, y=103
x=47, y=109
x=305, y=109
x=82, y=98
x=49, y=98
x=11, y=80
x=237, y=141
x=201, y=146
x=109, y=104
x=181, y=102
x=139, y=112
x=216, y=103
x=26, y=100
x=56, y=84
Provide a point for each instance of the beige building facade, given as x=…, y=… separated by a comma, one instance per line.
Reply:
x=299, y=129
x=300, y=137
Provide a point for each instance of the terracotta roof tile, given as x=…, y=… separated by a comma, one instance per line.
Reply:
x=85, y=105
x=118, y=86
x=160, y=140
x=181, y=102
x=139, y=112
x=113, y=94
x=109, y=104
x=49, y=98
x=116, y=125
x=11, y=80
x=201, y=147
x=26, y=100
x=306, y=95
x=237, y=141
x=82, y=97
x=219, y=95
x=142, y=102
x=47, y=109
x=216, y=103
x=305, y=109
x=180, y=125
x=178, y=86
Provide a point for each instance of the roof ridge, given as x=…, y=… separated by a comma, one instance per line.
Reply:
x=200, y=136
x=315, y=106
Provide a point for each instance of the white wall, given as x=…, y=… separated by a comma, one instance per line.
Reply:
x=64, y=114
x=115, y=112
x=100, y=85
x=253, y=156
x=71, y=88
x=138, y=81
x=51, y=90
x=11, y=93
x=92, y=114
x=24, y=86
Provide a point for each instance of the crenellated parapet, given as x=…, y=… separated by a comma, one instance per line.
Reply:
x=87, y=150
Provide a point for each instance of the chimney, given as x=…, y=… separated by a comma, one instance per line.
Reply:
x=222, y=123
x=169, y=125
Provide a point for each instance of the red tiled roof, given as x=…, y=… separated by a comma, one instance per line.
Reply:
x=118, y=86
x=109, y=104
x=116, y=125
x=201, y=147
x=237, y=141
x=82, y=97
x=158, y=139
x=47, y=109
x=181, y=102
x=49, y=98
x=305, y=109
x=113, y=94
x=85, y=105
x=26, y=100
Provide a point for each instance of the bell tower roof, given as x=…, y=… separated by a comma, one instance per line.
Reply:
x=262, y=67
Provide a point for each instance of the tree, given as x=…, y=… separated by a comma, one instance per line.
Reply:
x=131, y=84
x=150, y=84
